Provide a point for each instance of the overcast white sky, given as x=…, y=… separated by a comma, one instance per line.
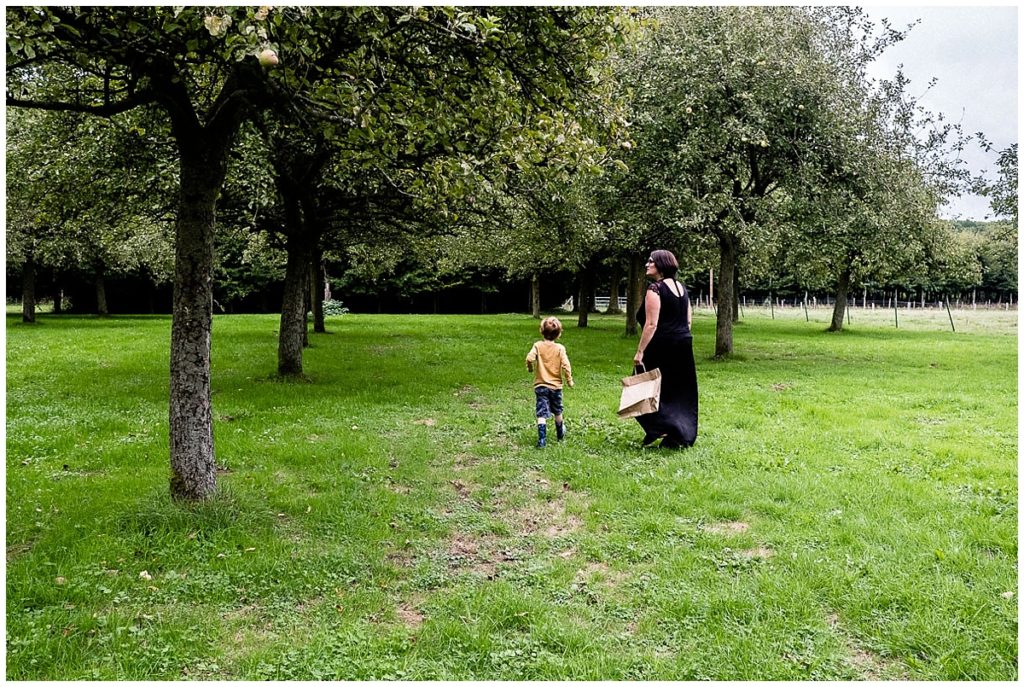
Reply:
x=972, y=51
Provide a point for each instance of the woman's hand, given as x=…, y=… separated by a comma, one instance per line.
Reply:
x=638, y=359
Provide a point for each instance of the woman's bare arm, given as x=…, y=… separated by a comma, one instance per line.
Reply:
x=652, y=308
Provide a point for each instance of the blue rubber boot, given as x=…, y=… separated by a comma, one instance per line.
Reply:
x=560, y=430
x=542, y=436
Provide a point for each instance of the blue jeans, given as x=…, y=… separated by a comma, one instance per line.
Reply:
x=549, y=401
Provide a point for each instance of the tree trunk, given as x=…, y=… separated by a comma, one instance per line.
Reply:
x=726, y=270
x=58, y=296
x=586, y=296
x=28, y=289
x=316, y=291
x=292, y=332
x=535, y=295
x=634, y=292
x=306, y=305
x=842, y=290
x=613, y=291
x=191, y=414
x=101, y=293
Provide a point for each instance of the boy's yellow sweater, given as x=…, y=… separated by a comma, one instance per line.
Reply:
x=547, y=360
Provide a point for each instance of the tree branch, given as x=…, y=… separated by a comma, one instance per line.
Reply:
x=106, y=110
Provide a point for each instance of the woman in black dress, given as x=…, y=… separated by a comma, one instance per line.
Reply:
x=666, y=344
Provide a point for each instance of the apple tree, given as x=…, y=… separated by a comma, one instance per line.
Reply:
x=739, y=110
x=208, y=69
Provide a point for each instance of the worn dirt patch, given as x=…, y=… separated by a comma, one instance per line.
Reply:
x=781, y=387
x=548, y=519
x=461, y=488
x=865, y=664
x=726, y=527
x=544, y=512
x=427, y=422
x=536, y=480
x=247, y=612
x=479, y=555
x=463, y=545
x=409, y=616
x=869, y=665
x=463, y=461
x=762, y=552
x=598, y=572
x=400, y=488
x=15, y=550
x=538, y=483
x=571, y=524
x=402, y=559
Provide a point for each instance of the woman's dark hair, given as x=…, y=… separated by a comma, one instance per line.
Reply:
x=665, y=263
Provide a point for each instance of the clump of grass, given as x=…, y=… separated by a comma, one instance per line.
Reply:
x=842, y=515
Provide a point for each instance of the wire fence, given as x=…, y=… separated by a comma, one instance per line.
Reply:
x=963, y=319
x=955, y=315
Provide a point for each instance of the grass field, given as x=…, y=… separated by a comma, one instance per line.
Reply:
x=849, y=510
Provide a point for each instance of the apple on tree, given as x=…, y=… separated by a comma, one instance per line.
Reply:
x=268, y=58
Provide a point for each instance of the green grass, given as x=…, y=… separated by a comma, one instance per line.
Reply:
x=849, y=510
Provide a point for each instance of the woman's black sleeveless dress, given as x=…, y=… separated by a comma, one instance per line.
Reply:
x=671, y=351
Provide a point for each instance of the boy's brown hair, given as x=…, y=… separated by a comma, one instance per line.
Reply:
x=551, y=328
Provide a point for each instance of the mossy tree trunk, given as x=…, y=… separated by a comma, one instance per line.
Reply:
x=613, y=290
x=316, y=290
x=842, y=294
x=535, y=295
x=727, y=244
x=100, y=284
x=292, y=334
x=586, y=295
x=58, y=294
x=28, y=289
x=635, y=284
x=203, y=166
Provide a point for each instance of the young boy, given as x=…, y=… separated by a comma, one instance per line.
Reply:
x=547, y=361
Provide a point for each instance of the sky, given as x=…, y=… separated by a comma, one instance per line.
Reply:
x=972, y=51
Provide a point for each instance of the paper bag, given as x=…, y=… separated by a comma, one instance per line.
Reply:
x=640, y=394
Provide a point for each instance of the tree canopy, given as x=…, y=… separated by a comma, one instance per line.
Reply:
x=374, y=83
x=227, y=148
